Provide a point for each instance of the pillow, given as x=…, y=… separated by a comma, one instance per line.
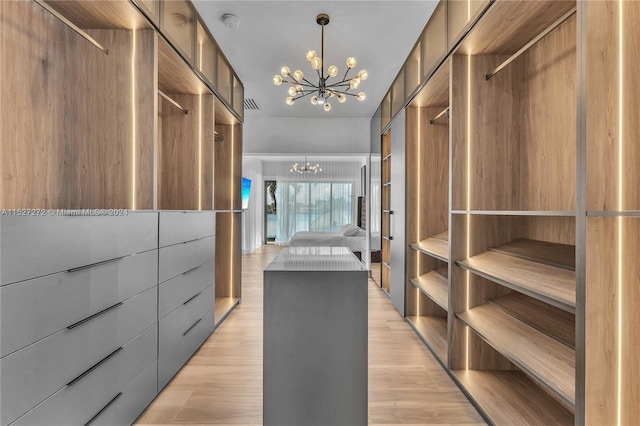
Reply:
x=350, y=230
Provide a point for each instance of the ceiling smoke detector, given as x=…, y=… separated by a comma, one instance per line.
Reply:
x=231, y=20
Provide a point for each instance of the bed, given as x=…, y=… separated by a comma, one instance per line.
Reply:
x=351, y=236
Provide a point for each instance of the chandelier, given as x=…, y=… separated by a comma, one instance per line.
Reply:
x=305, y=167
x=323, y=90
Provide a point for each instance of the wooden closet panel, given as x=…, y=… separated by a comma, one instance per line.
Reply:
x=237, y=167
x=206, y=152
x=69, y=139
x=223, y=169
x=547, y=122
x=182, y=139
x=491, y=110
x=228, y=254
x=608, y=287
x=603, y=105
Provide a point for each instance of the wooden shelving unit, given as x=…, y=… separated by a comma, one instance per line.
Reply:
x=434, y=247
x=493, y=392
x=435, y=286
x=433, y=331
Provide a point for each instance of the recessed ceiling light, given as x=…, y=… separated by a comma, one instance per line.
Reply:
x=231, y=20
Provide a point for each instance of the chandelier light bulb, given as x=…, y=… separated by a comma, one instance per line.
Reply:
x=354, y=83
x=290, y=100
x=327, y=107
x=285, y=71
x=351, y=62
x=333, y=71
x=361, y=96
x=314, y=100
x=363, y=75
x=298, y=88
x=298, y=75
x=311, y=54
x=316, y=63
x=331, y=93
x=292, y=91
x=342, y=98
x=277, y=80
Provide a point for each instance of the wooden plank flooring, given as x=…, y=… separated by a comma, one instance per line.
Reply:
x=222, y=383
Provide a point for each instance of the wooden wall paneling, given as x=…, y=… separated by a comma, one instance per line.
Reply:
x=207, y=151
x=179, y=168
x=237, y=167
x=611, y=352
x=69, y=138
x=436, y=91
x=603, y=105
x=555, y=229
x=491, y=110
x=547, y=122
x=223, y=169
x=174, y=74
x=228, y=254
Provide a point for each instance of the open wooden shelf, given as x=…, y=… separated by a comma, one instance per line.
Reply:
x=444, y=236
x=434, y=247
x=552, y=254
x=223, y=305
x=433, y=331
x=434, y=286
x=550, y=284
x=510, y=398
x=547, y=361
x=554, y=322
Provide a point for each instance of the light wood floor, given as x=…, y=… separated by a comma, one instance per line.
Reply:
x=222, y=383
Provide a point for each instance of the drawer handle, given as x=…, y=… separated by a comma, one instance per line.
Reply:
x=98, y=364
x=191, y=298
x=190, y=241
x=97, y=314
x=191, y=270
x=115, y=398
x=191, y=328
x=91, y=265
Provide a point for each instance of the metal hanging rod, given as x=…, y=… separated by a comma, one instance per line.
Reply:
x=531, y=43
x=437, y=117
x=172, y=102
x=217, y=136
x=71, y=25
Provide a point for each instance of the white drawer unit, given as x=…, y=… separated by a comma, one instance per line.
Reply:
x=80, y=402
x=34, y=373
x=178, y=227
x=182, y=332
x=181, y=289
x=179, y=258
x=125, y=407
x=34, y=246
x=34, y=309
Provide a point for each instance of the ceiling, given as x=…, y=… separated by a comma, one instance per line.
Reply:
x=379, y=34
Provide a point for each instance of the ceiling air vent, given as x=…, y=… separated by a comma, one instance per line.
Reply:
x=251, y=104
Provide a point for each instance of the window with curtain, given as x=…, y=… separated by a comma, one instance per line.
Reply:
x=322, y=202
x=312, y=206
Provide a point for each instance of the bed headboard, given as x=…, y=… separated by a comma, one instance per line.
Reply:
x=362, y=212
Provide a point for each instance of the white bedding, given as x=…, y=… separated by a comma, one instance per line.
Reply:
x=332, y=239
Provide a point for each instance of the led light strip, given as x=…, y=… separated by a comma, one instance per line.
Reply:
x=620, y=204
x=134, y=126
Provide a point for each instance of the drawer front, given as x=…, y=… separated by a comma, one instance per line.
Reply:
x=134, y=399
x=178, y=227
x=182, y=332
x=178, y=290
x=179, y=258
x=34, y=309
x=77, y=404
x=33, y=246
x=34, y=373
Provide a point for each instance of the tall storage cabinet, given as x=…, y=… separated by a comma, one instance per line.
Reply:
x=522, y=207
x=108, y=239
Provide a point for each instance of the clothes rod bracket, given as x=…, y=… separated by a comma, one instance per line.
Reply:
x=531, y=43
x=172, y=102
x=217, y=136
x=445, y=112
x=71, y=25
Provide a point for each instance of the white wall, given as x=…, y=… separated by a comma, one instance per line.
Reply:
x=305, y=135
x=253, y=219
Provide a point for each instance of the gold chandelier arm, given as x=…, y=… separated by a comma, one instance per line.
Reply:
x=303, y=95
